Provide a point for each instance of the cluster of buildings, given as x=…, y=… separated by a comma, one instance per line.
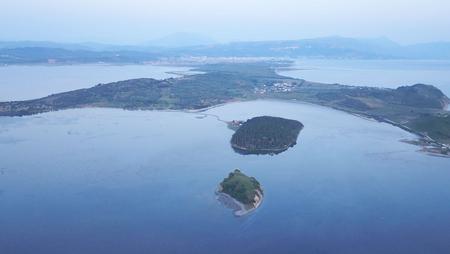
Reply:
x=283, y=87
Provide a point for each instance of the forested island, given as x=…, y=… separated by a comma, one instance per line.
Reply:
x=240, y=192
x=266, y=135
x=418, y=108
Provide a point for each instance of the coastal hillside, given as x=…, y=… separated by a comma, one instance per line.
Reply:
x=222, y=83
x=246, y=190
x=266, y=135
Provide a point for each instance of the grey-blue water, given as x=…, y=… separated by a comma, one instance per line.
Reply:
x=114, y=181
x=379, y=73
x=22, y=82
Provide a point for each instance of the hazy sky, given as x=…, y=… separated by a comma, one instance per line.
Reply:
x=135, y=21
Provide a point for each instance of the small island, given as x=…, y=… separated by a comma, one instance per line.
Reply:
x=266, y=135
x=420, y=109
x=241, y=193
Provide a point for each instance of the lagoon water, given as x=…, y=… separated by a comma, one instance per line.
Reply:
x=24, y=82
x=378, y=73
x=114, y=181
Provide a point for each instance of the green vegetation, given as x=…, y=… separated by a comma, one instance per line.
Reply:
x=244, y=189
x=435, y=126
x=404, y=107
x=266, y=135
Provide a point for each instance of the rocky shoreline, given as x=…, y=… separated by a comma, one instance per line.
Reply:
x=239, y=192
x=239, y=209
x=427, y=144
x=272, y=151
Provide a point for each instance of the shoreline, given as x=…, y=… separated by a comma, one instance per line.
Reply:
x=420, y=136
x=426, y=139
x=239, y=209
x=246, y=151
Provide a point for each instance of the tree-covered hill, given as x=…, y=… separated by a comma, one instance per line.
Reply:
x=244, y=189
x=266, y=135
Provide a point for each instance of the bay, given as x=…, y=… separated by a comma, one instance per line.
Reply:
x=115, y=181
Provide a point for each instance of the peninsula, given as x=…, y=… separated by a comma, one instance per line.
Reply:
x=420, y=109
x=241, y=193
x=266, y=135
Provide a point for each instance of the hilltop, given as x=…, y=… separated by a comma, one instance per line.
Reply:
x=245, y=192
x=266, y=135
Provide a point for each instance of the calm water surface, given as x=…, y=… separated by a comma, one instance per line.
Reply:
x=379, y=73
x=114, y=181
x=18, y=82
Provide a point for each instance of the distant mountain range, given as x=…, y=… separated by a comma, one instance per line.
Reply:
x=329, y=47
x=186, y=45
